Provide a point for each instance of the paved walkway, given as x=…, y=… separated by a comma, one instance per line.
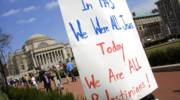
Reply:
x=169, y=85
x=168, y=82
x=75, y=88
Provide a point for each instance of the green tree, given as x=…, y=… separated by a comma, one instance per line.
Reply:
x=155, y=11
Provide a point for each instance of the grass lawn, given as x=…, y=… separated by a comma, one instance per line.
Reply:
x=3, y=96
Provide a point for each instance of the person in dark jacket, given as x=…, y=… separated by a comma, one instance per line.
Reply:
x=46, y=80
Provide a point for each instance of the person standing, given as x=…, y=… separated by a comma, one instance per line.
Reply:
x=46, y=80
x=27, y=80
x=63, y=65
x=57, y=78
x=69, y=68
x=24, y=81
x=34, y=83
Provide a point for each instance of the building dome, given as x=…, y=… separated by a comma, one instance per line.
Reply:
x=37, y=38
x=38, y=41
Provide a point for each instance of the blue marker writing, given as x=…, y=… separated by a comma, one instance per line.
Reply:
x=79, y=33
x=98, y=28
x=114, y=23
x=107, y=4
x=126, y=25
x=86, y=6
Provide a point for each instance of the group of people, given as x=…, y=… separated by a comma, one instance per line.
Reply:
x=25, y=81
x=47, y=77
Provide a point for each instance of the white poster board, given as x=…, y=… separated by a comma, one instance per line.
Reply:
x=107, y=49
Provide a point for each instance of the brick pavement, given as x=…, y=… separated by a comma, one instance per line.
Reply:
x=169, y=85
x=168, y=82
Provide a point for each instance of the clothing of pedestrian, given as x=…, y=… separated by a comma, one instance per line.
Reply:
x=57, y=78
x=47, y=82
x=24, y=81
x=69, y=68
x=34, y=83
x=65, y=71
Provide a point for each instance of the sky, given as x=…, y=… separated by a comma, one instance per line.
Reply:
x=23, y=18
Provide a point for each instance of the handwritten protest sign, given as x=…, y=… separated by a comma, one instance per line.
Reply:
x=107, y=49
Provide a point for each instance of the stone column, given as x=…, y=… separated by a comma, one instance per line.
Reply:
x=39, y=59
x=33, y=58
x=36, y=59
x=43, y=55
x=48, y=58
x=54, y=56
x=42, y=58
x=58, y=56
x=45, y=60
x=61, y=55
x=49, y=55
x=65, y=53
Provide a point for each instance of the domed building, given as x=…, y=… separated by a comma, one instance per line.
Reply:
x=38, y=52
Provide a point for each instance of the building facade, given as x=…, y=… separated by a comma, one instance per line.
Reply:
x=39, y=52
x=170, y=13
x=149, y=28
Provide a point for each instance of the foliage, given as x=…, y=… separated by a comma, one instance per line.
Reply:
x=3, y=96
x=168, y=53
x=154, y=11
x=33, y=94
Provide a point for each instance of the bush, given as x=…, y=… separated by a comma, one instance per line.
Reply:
x=3, y=96
x=158, y=57
x=167, y=54
x=33, y=94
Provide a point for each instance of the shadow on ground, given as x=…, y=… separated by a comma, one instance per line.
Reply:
x=167, y=69
x=176, y=91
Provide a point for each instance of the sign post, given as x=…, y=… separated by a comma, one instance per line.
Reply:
x=107, y=49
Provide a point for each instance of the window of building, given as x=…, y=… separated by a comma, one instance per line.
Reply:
x=42, y=45
x=140, y=28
